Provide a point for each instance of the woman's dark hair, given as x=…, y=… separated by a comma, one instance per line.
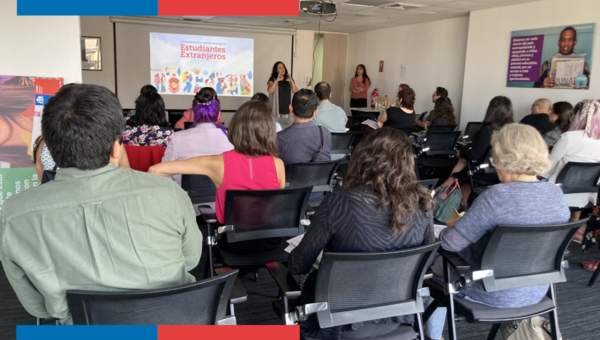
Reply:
x=443, y=110
x=205, y=95
x=146, y=89
x=36, y=146
x=441, y=92
x=564, y=111
x=80, y=125
x=275, y=74
x=261, y=97
x=407, y=97
x=252, y=130
x=499, y=112
x=149, y=110
x=365, y=75
x=384, y=163
x=206, y=106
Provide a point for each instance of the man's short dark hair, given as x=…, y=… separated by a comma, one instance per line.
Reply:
x=261, y=97
x=323, y=90
x=569, y=28
x=80, y=124
x=305, y=103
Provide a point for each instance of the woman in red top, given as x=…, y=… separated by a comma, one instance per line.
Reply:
x=251, y=165
x=359, y=87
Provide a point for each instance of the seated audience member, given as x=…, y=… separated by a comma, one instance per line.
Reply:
x=149, y=126
x=331, y=116
x=539, y=117
x=251, y=165
x=189, y=114
x=43, y=161
x=499, y=113
x=439, y=93
x=261, y=97
x=402, y=115
x=144, y=90
x=442, y=113
x=561, y=117
x=519, y=155
x=97, y=226
x=381, y=207
x=207, y=138
x=303, y=141
x=580, y=144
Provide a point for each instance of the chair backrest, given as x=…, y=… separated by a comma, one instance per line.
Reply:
x=441, y=128
x=369, y=286
x=359, y=116
x=143, y=157
x=315, y=174
x=472, y=128
x=441, y=142
x=523, y=256
x=579, y=177
x=200, y=188
x=260, y=214
x=200, y=303
x=341, y=142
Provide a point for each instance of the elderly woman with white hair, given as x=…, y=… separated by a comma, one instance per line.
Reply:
x=519, y=154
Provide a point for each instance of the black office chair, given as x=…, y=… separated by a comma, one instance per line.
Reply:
x=200, y=303
x=258, y=215
x=577, y=177
x=200, y=188
x=341, y=145
x=471, y=129
x=441, y=128
x=358, y=116
x=319, y=175
x=513, y=257
x=438, y=154
x=389, y=285
x=441, y=143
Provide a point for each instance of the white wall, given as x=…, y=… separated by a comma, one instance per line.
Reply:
x=303, y=57
x=422, y=55
x=488, y=49
x=39, y=45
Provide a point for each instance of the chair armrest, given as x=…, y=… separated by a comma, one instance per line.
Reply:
x=455, y=261
x=466, y=273
x=286, y=284
x=238, y=293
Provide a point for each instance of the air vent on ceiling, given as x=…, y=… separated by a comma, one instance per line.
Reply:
x=369, y=3
x=318, y=7
x=403, y=6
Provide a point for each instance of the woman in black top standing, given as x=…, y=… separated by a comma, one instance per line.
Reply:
x=402, y=115
x=499, y=113
x=381, y=207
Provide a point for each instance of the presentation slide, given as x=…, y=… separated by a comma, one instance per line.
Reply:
x=181, y=64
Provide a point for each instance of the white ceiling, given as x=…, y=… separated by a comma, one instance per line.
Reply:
x=358, y=18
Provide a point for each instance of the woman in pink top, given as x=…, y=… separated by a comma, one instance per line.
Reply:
x=251, y=165
x=359, y=87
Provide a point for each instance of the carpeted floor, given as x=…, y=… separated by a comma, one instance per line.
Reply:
x=579, y=305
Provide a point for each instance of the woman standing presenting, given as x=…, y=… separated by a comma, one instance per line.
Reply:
x=279, y=81
x=359, y=87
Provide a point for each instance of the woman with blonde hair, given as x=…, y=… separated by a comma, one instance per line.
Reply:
x=519, y=154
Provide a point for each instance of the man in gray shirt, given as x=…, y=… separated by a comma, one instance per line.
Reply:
x=303, y=141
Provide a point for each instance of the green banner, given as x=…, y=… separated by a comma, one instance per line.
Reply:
x=14, y=181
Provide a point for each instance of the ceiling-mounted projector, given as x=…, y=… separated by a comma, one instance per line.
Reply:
x=318, y=7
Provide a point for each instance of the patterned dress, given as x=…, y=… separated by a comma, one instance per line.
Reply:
x=147, y=135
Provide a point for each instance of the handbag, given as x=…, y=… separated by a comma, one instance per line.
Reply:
x=535, y=328
x=447, y=202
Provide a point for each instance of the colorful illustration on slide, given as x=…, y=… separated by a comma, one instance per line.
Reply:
x=182, y=64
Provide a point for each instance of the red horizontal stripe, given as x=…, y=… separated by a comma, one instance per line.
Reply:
x=229, y=7
x=228, y=332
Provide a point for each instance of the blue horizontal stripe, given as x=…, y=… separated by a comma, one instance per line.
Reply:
x=87, y=7
x=87, y=333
